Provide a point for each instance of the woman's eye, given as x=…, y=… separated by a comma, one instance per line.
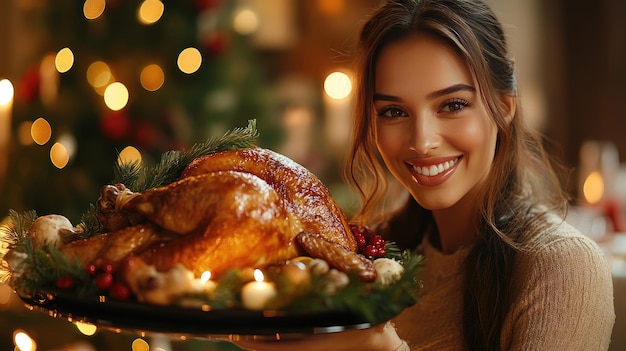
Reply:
x=391, y=112
x=455, y=105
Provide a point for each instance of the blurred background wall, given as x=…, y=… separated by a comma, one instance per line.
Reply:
x=263, y=60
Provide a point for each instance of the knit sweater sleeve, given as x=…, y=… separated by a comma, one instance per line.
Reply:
x=564, y=297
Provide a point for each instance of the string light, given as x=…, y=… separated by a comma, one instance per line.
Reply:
x=93, y=9
x=189, y=60
x=40, y=131
x=99, y=76
x=150, y=11
x=59, y=155
x=129, y=154
x=116, y=96
x=64, y=60
x=152, y=77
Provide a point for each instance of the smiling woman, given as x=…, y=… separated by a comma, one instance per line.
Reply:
x=437, y=107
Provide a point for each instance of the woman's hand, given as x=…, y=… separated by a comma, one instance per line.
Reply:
x=378, y=338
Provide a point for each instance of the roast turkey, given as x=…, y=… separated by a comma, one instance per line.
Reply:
x=234, y=209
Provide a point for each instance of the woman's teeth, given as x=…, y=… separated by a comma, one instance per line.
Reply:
x=433, y=170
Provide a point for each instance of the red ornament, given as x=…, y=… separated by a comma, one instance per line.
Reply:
x=115, y=125
x=27, y=89
x=216, y=43
x=145, y=135
x=207, y=5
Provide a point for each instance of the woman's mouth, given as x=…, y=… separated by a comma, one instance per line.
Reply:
x=434, y=173
x=433, y=170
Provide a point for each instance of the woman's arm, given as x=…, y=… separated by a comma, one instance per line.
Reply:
x=565, y=299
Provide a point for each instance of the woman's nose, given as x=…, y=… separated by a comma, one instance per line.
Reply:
x=426, y=134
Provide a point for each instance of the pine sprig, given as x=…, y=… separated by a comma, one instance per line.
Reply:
x=172, y=163
x=40, y=267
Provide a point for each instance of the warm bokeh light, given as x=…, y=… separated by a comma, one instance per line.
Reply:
x=116, y=96
x=40, y=131
x=23, y=342
x=93, y=9
x=140, y=345
x=48, y=79
x=59, y=155
x=86, y=328
x=331, y=7
x=152, y=77
x=150, y=11
x=189, y=60
x=64, y=60
x=6, y=92
x=593, y=188
x=99, y=76
x=23, y=133
x=129, y=154
x=69, y=142
x=5, y=292
x=338, y=85
x=245, y=21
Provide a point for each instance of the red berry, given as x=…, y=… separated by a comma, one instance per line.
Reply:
x=382, y=251
x=360, y=240
x=66, y=282
x=92, y=269
x=377, y=240
x=120, y=291
x=370, y=251
x=107, y=268
x=104, y=281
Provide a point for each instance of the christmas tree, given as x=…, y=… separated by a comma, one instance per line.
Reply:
x=148, y=76
x=184, y=71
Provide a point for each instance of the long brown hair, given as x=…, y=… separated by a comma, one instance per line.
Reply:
x=522, y=184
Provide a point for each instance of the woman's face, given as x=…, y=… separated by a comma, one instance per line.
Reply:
x=431, y=125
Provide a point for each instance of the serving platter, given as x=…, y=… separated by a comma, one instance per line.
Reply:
x=197, y=322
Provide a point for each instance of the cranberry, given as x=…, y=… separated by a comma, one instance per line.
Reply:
x=370, y=251
x=120, y=291
x=104, y=281
x=92, y=269
x=66, y=282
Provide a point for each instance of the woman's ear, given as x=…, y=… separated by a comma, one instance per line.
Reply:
x=510, y=104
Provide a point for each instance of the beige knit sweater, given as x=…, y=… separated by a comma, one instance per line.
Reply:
x=564, y=299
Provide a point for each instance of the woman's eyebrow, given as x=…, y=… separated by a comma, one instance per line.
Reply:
x=435, y=94
x=449, y=90
x=378, y=96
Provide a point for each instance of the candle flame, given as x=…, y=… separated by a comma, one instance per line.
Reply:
x=205, y=277
x=258, y=275
x=593, y=188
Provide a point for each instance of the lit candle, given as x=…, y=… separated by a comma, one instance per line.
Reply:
x=338, y=108
x=256, y=294
x=204, y=285
x=6, y=106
